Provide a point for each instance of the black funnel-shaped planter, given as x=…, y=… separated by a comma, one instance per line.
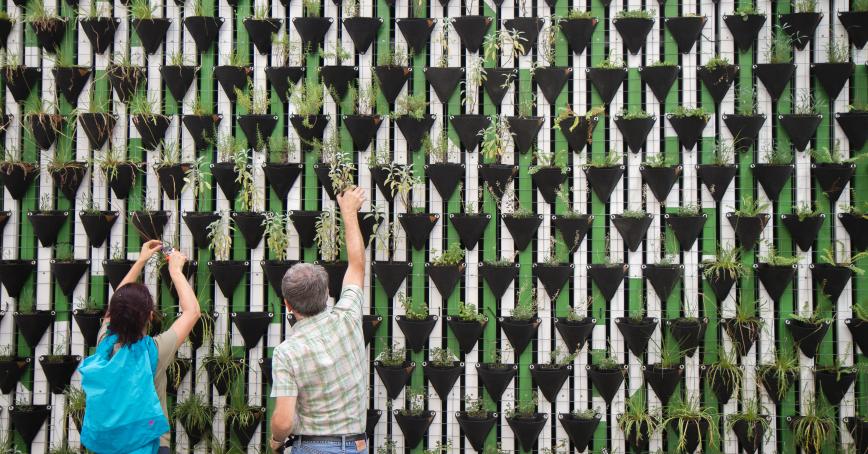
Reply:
x=249, y=223
x=418, y=227
x=716, y=178
x=362, y=129
x=370, y=323
x=67, y=273
x=228, y=274
x=775, y=77
x=859, y=329
x=445, y=176
x=522, y=229
x=476, y=429
x=471, y=30
x=553, y=277
x=283, y=77
x=47, y=224
x=744, y=129
x=633, y=31
x=748, y=228
x=720, y=284
x=414, y=129
x=632, y=229
x=70, y=80
x=245, y=433
x=226, y=176
x=373, y=417
x=416, y=332
x=527, y=430
x=497, y=82
x=470, y=227
x=528, y=29
x=58, y=371
x=466, y=332
x=391, y=80
x=252, y=326
x=312, y=133
x=800, y=128
x=97, y=126
x=857, y=227
x=45, y=128
x=580, y=430
x=694, y=431
x=498, y=278
x=14, y=274
x=391, y=275
x=380, y=175
x=578, y=32
x=469, y=128
x=20, y=81
x=575, y=332
x=260, y=32
x=496, y=377
x=274, y=271
x=524, y=131
x=152, y=129
x=662, y=278
x=718, y=80
x=772, y=177
x=444, y=81
x=100, y=31
x=322, y=172
x=171, y=179
x=835, y=383
x=17, y=178
x=686, y=30
x=304, y=223
x=743, y=333
x=606, y=381
x=807, y=335
x=28, y=420
x=750, y=435
x=281, y=177
x=312, y=31
x=497, y=177
x=338, y=78
x=800, y=27
x=442, y=379
x=232, y=78
x=49, y=32
x=833, y=178
x=98, y=225
x=744, y=28
x=635, y=131
x=549, y=379
x=89, y=323
x=414, y=428
x=445, y=277
x=151, y=32
x=659, y=79
x=608, y=278
x=394, y=377
x=663, y=380
x=69, y=177
x=4, y=218
x=687, y=332
x=577, y=130
x=858, y=428
x=772, y=384
x=551, y=81
x=202, y=128
x=607, y=81
x=11, y=371
x=204, y=30
x=197, y=223
x=775, y=278
x=603, y=180
x=660, y=180
x=832, y=76
x=363, y=31
x=125, y=80
x=32, y=325
x=855, y=126
x=116, y=270
x=804, y=232
x=636, y=333
x=149, y=224
x=417, y=32
x=220, y=376
x=519, y=332
x=122, y=180
x=688, y=129
x=854, y=22
x=257, y=129
x=573, y=228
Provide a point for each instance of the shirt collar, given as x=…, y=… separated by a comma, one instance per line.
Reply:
x=311, y=320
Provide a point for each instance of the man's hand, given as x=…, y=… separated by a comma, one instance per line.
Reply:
x=149, y=249
x=176, y=263
x=351, y=200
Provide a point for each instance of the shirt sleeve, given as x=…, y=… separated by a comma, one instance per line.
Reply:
x=167, y=346
x=350, y=300
x=282, y=376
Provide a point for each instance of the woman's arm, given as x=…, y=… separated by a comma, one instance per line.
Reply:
x=148, y=250
x=190, y=311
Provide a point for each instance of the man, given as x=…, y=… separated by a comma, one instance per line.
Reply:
x=320, y=370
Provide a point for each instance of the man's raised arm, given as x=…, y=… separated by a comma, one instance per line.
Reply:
x=350, y=202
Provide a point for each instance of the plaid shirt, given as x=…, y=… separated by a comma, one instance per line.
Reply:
x=323, y=362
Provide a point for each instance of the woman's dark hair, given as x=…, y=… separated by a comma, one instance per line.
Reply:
x=130, y=311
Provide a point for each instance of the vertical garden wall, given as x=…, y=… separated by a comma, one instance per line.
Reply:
x=594, y=225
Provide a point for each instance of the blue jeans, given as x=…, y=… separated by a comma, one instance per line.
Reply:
x=327, y=447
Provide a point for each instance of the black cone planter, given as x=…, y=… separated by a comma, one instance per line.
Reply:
x=607, y=81
x=49, y=32
x=498, y=278
x=859, y=329
x=202, y=128
x=469, y=128
x=418, y=227
x=125, y=80
x=636, y=333
x=603, y=180
x=228, y=274
x=392, y=79
x=663, y=380
x=312, y=31
x=775, y=77
x=807, y=335
x=580, y=430
x=688, y=129
x=67, y=273
x=578, y=32
x=835, y=383
x=471, y=30
x=855, y=126
x=744, y=129
x=232, y=78
x=774, y=278
x=686, y=30
x=854, y=23
x=70, y=81
x=804, y=232
x=496, y=377
x=476, y=429
x=414, y=428
x=687, y=332
x=442, y=379
x=694, y=431
x=660, y=180
x=416, y=332
x=28, y=420
x=394, y=377
x=635, y=131
x=573, y=229
x=445, y=277
x=742, y=333
x=528, y=29
x=373, y=417
x=304, y=223
x=20, y=81
x=577, y=130
x=171, y=179
x=363, y=31
x=800, y=27
x=497, y=82
x=744, y=28
x=833, y=178
x=14, y=273
x=283, y=77
x=466, y=332
x=391, y=275
x=45, y=128
x=445, y=176
x=152, y=129
x=250, y=224
x=58, y=371
x=750, y=435
x=575, y=333
x=716, y=178
x=549, y=379
x=257, y=129
x=204, y=30
x=551, y=81
x=773, y=386
x=608, y=278
x=720, y=284
x=633, y=31
x=857, y=227
x=325, y=180
x=527, y=430
x=11, y=370
x=659, y=79
x=69, y=177
x=32, y=325
x=858, y=428
x=4, y=218
x=198, y=223
x=833, y=76
x=252, y=326
x=17, y=178
x=414, y=129
x=662, y=278
x=149, y=224
x=718, y=80
x=151, y=32
x=97, y=126
x=416, y=32
x=245, y=432
x=312, y=133
x=274, y=271
x=553, y=277
x=362, y=129
x=772, y=177
x=370, y=323
x=444, y=81
x=632, y=230
x=606, y=381
x=338, y=78
x=100, y=31
x=519, y=332
x=497, y=177
x=281, y=177
x=748, y=228
x=800, y=128
x=522, y=229
x=260, y=31
x=524, y=131
x=470, y=227
x=220, y=377
x=116, y=270
x=47, y=224
x=89, y=324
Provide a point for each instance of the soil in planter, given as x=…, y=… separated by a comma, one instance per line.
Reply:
x=414, y=428
x=89, y=323
x=414, y=129
x=744, y=129
x=116, y=270
x=417, y=32
x=859, y=329
x=744, y=29
x=68, y=177
x=204, y=30
x=338, y=78
x=854, y=126
x=603, y=180
x=250, y=224
x=685, y=30
x=70, y=80
x=577, y=130
x=149, y=224
x=833, y=178
x=497, y=177
x=688, y=129
x=835, y=383
x=28, y=420
x=750, y=435
x=312, y=30
x=632, y=230
x=274, y=271
x=11, y=371
x=97, y=127
x=774, y=279
x=362, y=129
x=152, y=129
x=659, y=79
x=663, y=380
x=524, y=131
x=800, y=27
x=260, y=32
x=17, y=178
x=804, y=232
x=151, y=32
x=633, y=31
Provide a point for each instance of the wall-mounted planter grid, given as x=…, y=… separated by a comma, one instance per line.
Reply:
x=704, y=226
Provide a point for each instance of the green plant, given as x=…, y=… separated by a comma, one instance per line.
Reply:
x=859, y=6
x=442, y=357
x=526, y=308
x=475, y=408
x=254, y=101
x=687, y=210
x=751, y=207
x=579, y=14
x=437, y=151
x=684, y=413
x=469, y=313
x=414, y=106
x=548, y=160
x=726, y=262
x=806, y=104
x=605, y=359
x=141, y=105
x=523, y=408
x=826, y=155
x=746, y=10
x=194, y=413
x=610, y=159
x=636, y=419
x=635, y=14
x=634, y=114
x=780, y=48
x=687, y=112
x=220, y=234
x=723, y=153
x=747, y=103
x=452, y=256
x=392, y=56
x=655, y=160
x=634, y=214
x=559, y=358
x=394, y=356
x=725, y=371
x=752, y=413
x=660, y=63
x=832, y=257
x=400, y=179
x=494, y=139
x=275, y=233
x=75, y=400
x=241, y=414
x=195, y=177
x=779, y=156
x=329, y=236
x=773, y=258
x=39, y=16
x=341, y=171
x=174, y=371
x=412, y=311
x=311, y=8
x=716, y=62
x=142, y=9
x=440, y=447
x=64, y=449
x=223, y=363
x=307, y=97
x=815, y=427
x=805, y=6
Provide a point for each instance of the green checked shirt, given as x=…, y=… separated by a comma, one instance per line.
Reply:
x=323, y=362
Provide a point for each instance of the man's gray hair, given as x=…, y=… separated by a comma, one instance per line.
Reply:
x=306, y=287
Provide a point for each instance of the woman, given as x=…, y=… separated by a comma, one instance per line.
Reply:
x=129, y=314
